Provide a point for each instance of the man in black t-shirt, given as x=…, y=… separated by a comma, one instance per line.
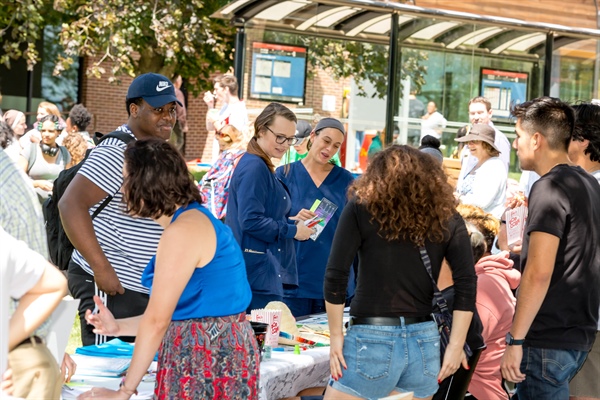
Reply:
x=557, y=303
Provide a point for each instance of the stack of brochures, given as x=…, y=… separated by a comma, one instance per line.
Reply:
x=100, y=366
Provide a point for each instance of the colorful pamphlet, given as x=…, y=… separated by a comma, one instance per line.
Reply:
x=324, y=209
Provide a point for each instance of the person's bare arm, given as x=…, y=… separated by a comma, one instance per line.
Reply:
x=23, y=163
x=80, y=196
x=335, y=316
x=535, y=282
x=105, y=323
x=455, y=355
x=36, y=305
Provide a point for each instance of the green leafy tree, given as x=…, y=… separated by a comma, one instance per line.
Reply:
x=21, y=26
x=137, y=36
x=365, y=62
x=124, y=37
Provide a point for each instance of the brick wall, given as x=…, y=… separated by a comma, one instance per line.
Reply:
x=105, y=101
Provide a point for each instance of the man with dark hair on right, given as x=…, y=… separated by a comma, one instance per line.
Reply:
x=112, y=250
x=556, y=317
x=584, y=150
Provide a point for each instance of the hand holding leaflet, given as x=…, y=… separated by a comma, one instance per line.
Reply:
x=324, y=210
x=515, y=224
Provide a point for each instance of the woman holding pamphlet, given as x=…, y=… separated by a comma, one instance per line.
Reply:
x=402, y=222
x=199, y=291
x=259, y=205
x=316, y=179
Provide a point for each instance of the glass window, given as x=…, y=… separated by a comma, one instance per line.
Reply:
x=58, y=89
x=575, y=70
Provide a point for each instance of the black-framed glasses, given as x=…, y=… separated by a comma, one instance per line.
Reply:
x=281, y=139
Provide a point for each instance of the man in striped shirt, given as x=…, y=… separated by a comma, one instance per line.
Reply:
x=112, y=250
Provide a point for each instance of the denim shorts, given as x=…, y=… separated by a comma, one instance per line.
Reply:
x=382, y=359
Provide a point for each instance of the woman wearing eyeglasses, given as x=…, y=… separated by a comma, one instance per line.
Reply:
x=258, y=207
x=215, y=183
x=313, y=178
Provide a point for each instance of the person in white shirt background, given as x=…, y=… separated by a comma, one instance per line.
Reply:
x=233, y=110
x=433, y=122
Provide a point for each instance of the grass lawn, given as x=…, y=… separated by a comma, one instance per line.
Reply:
x=514, y=175
x=75, y=338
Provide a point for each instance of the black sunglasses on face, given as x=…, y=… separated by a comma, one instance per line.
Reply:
x=281, y=139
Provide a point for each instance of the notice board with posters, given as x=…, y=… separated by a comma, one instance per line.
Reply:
x=503, y=89
x=278, y=72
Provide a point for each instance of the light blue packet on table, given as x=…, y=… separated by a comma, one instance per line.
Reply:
x=115, y=348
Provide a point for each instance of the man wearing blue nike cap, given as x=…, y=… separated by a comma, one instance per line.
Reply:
x=112, y=249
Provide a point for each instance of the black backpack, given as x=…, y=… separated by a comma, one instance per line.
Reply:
x=59, y=245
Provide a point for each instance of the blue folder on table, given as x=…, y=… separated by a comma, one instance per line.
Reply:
x=114, y=348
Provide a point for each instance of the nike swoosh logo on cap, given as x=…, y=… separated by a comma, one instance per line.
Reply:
x=160, y=89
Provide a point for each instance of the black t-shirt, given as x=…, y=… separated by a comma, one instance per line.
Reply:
x=392, y=280
x=566, y=203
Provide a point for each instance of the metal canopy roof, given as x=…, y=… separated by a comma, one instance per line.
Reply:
x=368, y=20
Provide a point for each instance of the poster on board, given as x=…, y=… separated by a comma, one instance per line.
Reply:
x=503, y=89
x=278, y=72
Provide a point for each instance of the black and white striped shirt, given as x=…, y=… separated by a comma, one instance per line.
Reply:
x=128, y=242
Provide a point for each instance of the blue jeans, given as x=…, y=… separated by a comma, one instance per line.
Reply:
x=382, y=359
x=548, y=373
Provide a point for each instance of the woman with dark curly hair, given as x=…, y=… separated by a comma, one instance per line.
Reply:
x=196, y=312
x=77, y=123
x=392, y=345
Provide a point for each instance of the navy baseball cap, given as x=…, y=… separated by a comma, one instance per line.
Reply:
x=157, y=90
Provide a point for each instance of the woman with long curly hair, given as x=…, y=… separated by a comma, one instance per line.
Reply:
x=392, y=345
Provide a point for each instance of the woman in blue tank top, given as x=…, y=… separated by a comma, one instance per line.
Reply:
x=198, y=290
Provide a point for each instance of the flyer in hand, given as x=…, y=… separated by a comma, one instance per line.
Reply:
x=324, y=210
x=515, y=224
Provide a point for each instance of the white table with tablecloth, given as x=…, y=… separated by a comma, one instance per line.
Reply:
x=284, y=375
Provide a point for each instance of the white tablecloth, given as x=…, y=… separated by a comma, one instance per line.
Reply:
x=284, y=375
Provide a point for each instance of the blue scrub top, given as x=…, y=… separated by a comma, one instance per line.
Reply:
x=311, y=256
x=257, y=213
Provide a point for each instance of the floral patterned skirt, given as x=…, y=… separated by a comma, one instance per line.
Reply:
x=208, y=358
